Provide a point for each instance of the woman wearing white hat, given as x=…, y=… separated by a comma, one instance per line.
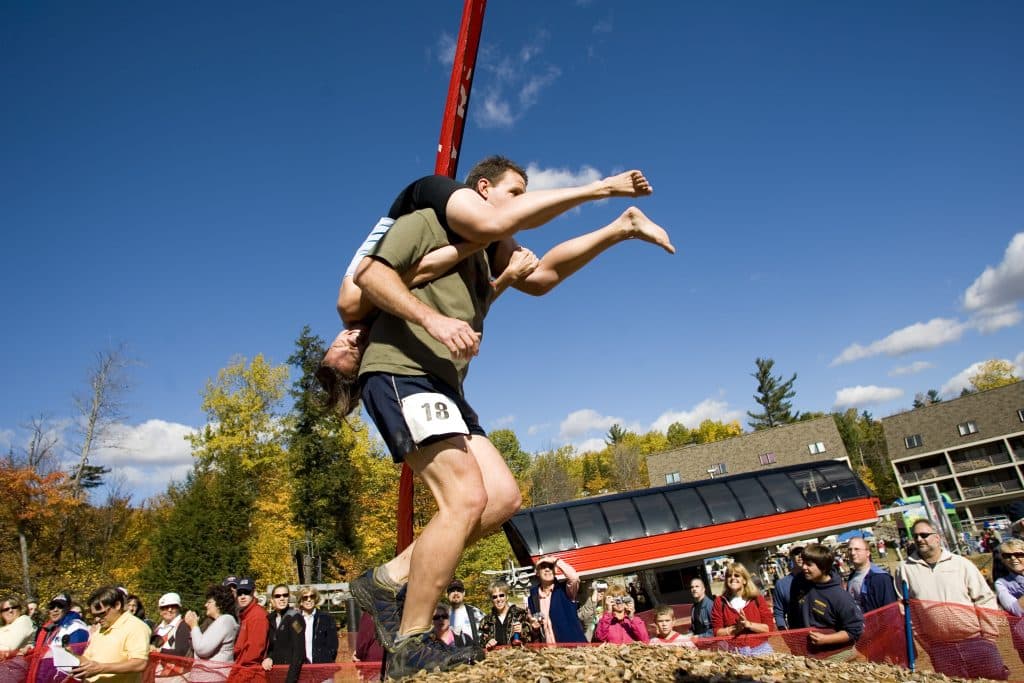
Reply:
x=173, y=637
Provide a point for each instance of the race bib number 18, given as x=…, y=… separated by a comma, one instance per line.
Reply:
x=430, y=414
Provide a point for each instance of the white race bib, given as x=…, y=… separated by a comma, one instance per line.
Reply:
x=428, y=414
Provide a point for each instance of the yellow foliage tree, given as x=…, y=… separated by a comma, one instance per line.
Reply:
x=992, y=374
x=273, y=532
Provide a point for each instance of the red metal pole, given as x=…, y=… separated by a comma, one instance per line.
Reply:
x=452, y=125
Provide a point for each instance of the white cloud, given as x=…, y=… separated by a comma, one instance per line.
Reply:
x=534, y=430
x=862, y=396
x=961, y=380
x=1002, y=284
x=708, y=409
x=511, y=84
x=916, y=337
x=590, y=445
x=444, y=49
x=993, y=319
x=504, y=421
x=912, y=369
x=580, y=422
x=548, y=178
x=152, y=442
x=495, y=112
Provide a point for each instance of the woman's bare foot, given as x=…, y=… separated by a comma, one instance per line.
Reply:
x=637, y=226
x=628, y=184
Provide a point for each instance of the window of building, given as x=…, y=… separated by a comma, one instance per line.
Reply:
x=718, y=469
x=816, y=448
x=672, y=478
x=966, y=428
x=766, y=458
x=913, y=441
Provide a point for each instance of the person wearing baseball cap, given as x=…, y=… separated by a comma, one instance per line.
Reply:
x=253, y=631
x=555, y=602
x=464, y=619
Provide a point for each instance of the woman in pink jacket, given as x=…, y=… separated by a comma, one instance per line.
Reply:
x=617, y=624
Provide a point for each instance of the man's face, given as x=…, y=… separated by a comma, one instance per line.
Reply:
x=280, y=598
x=546, y=573
x=927, y=541
x=455, y=597
x=509, y=186
x=798, y=564
x=697, y=591
x=346, y=351
x=663, y=625
x=499, y=599
x=103, y=615
x=859, y=553
x=811, y=571
x=244, y=598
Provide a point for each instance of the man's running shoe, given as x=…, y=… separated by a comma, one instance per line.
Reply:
x=382, y=602
x=423, y=653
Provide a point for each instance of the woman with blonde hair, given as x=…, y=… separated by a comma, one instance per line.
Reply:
x=16, y=627
x=740, y=611
x=1010, y=588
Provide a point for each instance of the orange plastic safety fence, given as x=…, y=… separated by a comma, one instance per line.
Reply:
x=952, y=639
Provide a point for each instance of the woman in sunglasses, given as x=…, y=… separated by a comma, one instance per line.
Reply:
x=321, y=629
x=740, y=611
x=441, y=630
x=17, y=629
x=1010, y=588
x=507, y=624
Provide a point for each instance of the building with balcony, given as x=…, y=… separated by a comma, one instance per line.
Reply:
x=972, y=447
x=790, y=444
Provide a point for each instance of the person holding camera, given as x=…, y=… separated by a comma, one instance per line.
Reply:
x=619, y=624
x=553, y=604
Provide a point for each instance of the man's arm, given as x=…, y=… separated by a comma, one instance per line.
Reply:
x=383, y=285
x=471, y=216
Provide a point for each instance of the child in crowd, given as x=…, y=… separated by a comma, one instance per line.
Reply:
x=827, y=605
x=664, y=634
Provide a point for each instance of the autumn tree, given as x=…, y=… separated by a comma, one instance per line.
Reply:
x=864, y=440
x=629, y=467
x=992, y=374
x=219, y=521
x=678, y=435
x=773, y=396
x=507, y=443
x=551, y=479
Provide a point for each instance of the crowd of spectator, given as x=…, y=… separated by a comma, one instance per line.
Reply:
x=235, y=637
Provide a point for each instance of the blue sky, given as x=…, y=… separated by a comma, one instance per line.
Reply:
x=844, y=184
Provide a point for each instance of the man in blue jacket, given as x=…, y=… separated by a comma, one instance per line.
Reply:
x=870, y=585
x=828, y=606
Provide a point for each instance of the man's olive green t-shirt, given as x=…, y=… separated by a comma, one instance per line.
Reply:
x=464, y=293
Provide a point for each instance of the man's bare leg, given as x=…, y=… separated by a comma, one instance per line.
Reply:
x=453, y=476
x=503, y=500
x=566, y=258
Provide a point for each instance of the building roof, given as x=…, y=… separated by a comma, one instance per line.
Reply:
x=659, y=525
x=788, y=444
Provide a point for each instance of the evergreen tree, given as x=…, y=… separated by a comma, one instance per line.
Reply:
x=615, y=434
x=773, y=396
x=320, y=444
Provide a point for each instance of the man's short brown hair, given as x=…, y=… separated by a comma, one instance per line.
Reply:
x=820, y=556
x=493, y=168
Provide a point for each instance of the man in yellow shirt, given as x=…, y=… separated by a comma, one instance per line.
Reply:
x=119, y=651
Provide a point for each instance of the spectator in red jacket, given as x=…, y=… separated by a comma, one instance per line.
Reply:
x=253, y=632
x=741, y=610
